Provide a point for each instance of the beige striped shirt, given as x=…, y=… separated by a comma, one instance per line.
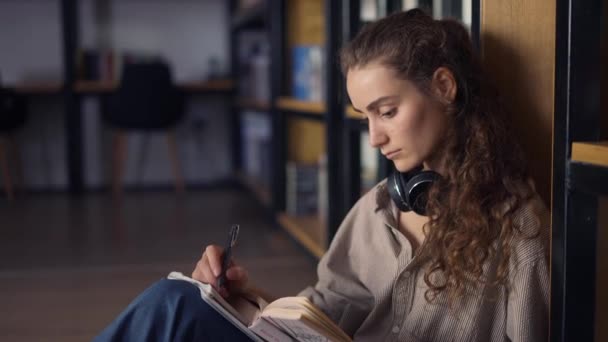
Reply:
x=371, y=285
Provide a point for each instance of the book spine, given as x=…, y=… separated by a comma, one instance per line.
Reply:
x=302, y=189
x=308, y=73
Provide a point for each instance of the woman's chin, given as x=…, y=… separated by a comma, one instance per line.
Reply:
x=404, y=165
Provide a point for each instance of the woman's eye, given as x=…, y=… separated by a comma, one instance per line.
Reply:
x=389, y=113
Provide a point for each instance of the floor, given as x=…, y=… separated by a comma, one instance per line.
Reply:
x=69, y=265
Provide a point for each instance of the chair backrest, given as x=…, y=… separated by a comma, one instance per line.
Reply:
x=146, y=98
x=146, y=79
x=13, y=110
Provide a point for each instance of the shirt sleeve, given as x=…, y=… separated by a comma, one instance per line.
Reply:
x=339, y=292
x=528, y=303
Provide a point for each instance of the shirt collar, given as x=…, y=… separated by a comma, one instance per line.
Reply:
x=385, y=207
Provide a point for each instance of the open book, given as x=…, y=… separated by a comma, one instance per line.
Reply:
x=286, y=319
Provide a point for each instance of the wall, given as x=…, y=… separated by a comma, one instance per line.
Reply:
x=31, y=45
x=185, y=32
x=30, y=40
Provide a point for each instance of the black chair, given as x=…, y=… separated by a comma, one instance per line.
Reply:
x=13, y=114
x=146, y=100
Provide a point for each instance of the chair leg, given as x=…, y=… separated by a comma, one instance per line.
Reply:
x=14, y=151
x=8, y=185
x=177, y=171
x=119, y=154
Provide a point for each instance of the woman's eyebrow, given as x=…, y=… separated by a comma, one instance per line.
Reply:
x=376, y=103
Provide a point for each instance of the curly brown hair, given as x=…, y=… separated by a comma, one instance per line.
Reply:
x=472, y=208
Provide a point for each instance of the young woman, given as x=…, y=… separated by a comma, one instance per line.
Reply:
x=453, y=247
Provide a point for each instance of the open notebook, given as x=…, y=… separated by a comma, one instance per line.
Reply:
x=286, y=319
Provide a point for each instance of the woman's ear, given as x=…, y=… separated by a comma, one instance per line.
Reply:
x=444, y=85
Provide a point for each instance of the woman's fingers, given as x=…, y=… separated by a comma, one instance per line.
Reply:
x=202, y=271
x=237, y=273
x=209, y=277
x=237, y=278
x=214, y=255
x=209, y=268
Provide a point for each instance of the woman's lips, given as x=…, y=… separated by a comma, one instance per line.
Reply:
x=391, y=155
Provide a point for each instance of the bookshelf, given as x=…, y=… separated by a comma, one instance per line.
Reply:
x=579, y=236
x=302, y=130
x=249, y=107
x=307, y=126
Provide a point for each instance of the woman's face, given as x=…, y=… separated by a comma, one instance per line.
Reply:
x=405, y=124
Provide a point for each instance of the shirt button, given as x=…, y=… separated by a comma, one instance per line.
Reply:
x=395, y=329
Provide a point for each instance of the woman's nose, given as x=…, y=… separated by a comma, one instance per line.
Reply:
x=377, y=137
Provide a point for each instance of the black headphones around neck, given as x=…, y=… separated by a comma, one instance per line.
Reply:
x=409, y=189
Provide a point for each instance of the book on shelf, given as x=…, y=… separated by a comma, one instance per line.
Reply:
x=253, y=67
x=307, y=75
x=283, y=320
x=256, y=146
x=302, y=183
x=96, y=65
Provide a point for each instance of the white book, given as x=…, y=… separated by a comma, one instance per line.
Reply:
x=286, y=319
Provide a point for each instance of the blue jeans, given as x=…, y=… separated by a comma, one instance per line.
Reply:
x=170, y=310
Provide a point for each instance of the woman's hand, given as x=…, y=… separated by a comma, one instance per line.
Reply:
x=209, y=268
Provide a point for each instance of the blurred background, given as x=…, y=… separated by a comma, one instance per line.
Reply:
x=133, y=133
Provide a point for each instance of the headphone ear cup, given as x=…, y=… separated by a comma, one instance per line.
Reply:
x=396, y=191
x=416, y=190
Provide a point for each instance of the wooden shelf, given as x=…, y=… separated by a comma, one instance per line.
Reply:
x=250, y=104
x=204, y=86
x=261, y=192
x=38, y=88
x=95, y=86
x=591, y=152
x=307, y=230
x=85, y=87
x=289, y=103
x=352, y=113
x=191, y=86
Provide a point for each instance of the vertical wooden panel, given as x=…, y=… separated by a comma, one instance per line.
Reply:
x=306, y=140
x=601, y=323
x=306, y=25
x=518, y=49
x=604, y=73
